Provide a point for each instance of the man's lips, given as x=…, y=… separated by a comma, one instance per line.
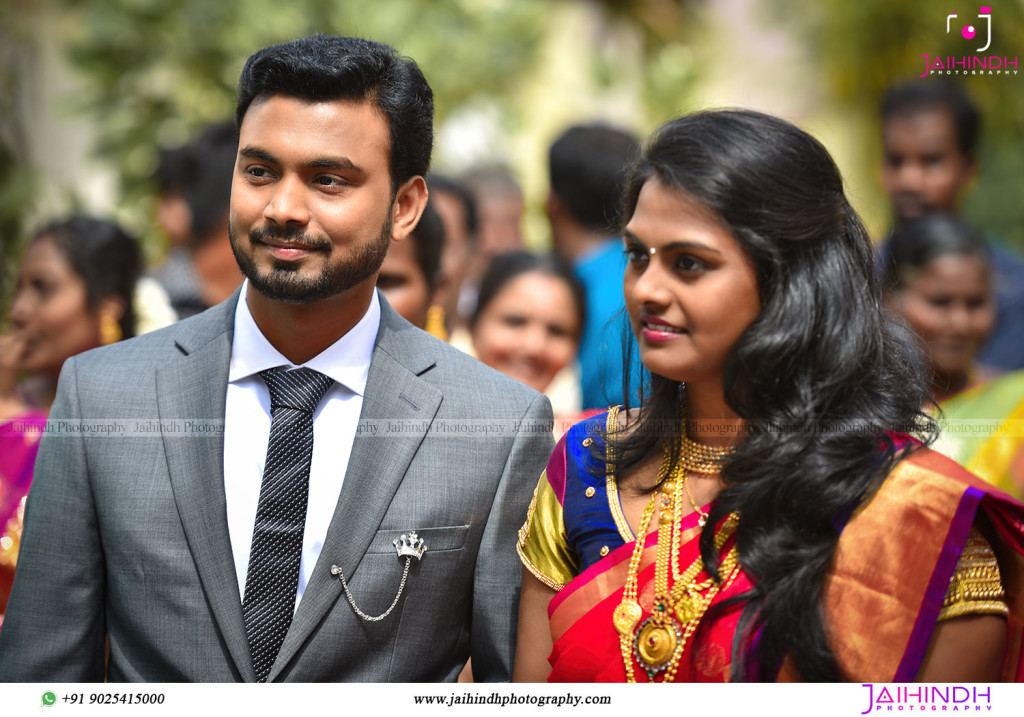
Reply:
x=293, y=251
x=286, y=249
x=908, y=205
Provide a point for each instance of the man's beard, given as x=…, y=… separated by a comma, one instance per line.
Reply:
x=283, y=282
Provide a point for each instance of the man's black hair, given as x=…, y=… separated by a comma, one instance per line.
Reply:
x=207, y=190
x=588, y=165
x=323, y=68
x=915, y=97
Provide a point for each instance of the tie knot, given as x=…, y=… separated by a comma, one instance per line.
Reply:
x=300, y=389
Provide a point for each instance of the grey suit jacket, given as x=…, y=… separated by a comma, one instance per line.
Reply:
x=126, y=535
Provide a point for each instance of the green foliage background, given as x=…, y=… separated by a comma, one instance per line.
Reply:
x=865, y=46
x=152, y=72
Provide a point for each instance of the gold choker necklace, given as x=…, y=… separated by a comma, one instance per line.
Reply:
x=702, y=458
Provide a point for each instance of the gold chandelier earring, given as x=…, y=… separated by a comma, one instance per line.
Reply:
x=435, y=322
x=110, y=330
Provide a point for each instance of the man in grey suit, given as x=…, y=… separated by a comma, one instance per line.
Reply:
x=204, y=554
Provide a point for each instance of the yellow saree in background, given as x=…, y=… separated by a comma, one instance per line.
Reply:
x=983, y=430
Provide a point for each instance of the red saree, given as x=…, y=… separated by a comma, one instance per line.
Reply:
x=586, y=646
x=892, y=569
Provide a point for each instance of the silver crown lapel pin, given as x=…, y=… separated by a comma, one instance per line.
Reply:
x=411, y=546
x=407, y=546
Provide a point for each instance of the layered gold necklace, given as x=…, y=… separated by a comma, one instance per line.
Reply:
x=658, y=642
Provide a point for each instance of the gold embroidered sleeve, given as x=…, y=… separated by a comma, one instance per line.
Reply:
x=543, y=545
x=976, y=587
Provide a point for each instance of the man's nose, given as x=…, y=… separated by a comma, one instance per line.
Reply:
x=910, y=176
x=288, y=203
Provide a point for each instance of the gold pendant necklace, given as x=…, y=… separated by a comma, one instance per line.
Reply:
x=658, y=642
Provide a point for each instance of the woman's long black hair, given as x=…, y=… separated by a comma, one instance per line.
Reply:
x=821, y=378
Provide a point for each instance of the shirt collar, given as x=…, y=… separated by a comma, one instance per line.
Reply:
x=347, y=360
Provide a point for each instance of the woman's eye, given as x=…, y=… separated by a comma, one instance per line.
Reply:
x=635, y=254
x=43, y=289
x=690, y=263
x=513, y=320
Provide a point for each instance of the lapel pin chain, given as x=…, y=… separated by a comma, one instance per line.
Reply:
x=407, y=546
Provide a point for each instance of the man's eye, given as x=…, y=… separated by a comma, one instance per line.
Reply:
x=327, y=181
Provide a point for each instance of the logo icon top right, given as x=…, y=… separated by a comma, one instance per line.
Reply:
x=968, y=31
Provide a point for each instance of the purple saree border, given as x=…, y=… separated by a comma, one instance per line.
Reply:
x=956, y=538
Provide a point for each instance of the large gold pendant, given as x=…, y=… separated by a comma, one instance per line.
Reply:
x=655, y=643
x=627, y=615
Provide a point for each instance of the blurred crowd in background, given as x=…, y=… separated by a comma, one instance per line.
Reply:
x=116, y=163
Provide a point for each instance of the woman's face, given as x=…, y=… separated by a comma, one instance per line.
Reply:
x=530, y=329
x=949, y=305
x=49, y=313
x=403, y=284
x=690, y=288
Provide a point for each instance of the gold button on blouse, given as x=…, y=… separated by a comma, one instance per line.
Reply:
x=588, y=441
x=604, y=550
x=590, y=492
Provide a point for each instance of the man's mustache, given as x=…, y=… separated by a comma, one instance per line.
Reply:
x=294, y=236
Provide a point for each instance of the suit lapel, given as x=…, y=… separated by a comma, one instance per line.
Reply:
x=376, y=467
x=192, y=387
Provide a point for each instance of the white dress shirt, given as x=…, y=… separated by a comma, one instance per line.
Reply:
x=247, y=430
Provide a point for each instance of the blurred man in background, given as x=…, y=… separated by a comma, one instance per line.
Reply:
x=195, y=190
x=587, y=170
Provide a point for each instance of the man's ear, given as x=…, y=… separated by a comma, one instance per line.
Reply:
x=970, y=172
x=410, y=200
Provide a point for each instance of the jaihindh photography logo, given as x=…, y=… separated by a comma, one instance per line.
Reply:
x=923, y=698
x=976, y=39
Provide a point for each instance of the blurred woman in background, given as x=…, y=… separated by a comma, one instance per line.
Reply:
x=938, y=278
x=410, y=277
x=74, y=293
x=527, y=324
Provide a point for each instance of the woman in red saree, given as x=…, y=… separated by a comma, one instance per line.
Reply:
x=792, y=524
